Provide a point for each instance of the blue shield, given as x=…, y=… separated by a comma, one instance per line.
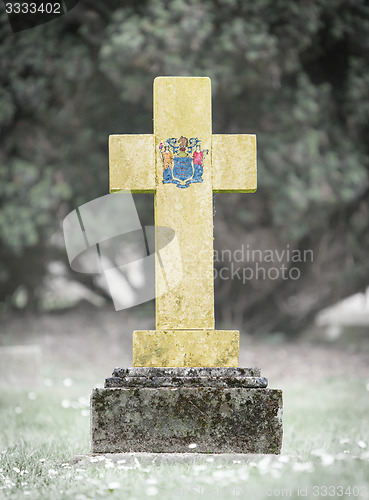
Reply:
x=183, y=168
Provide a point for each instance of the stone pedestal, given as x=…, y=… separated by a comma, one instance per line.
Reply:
x=165, y=410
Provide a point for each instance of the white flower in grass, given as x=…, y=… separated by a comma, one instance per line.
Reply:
x=327, y=460
x=109, y=465
x=367, y=386
x=210, y=459
x=42, y=460
x=277, y=465
x=275, y=473
x=264, y=464
x=52, y=472
x=318, y=453
x=361, y=444
x=152, y=480
x=192, y=446
x=85, y=413
x=121, y=461
x=8, y=483
x=15, y=469
x=200, y=467
x=67, y=382
x=32, y=396
x=341, y=456
x=225, y=474
x=219, y=473
x=114, y=485
x=303, y=467
x=344, y=440
x=65, y=403
x=48, y=382
x=26, y=492
x=18, y=410
x=243, y=474
x=94, y=459
x=152, y=491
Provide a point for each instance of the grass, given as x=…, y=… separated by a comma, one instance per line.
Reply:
x=325, y=451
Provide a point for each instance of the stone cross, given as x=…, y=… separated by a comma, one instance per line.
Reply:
x=183, y=164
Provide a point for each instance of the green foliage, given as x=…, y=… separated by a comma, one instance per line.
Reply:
x=294, y=73
x=314, y=167
x=38, y=194
x=266, y=61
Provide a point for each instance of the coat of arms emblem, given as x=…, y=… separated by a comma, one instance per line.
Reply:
x=182, y=161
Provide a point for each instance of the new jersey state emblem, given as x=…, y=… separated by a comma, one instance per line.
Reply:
x=183, y=161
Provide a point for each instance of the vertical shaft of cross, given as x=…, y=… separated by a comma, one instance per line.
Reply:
x=182, y=107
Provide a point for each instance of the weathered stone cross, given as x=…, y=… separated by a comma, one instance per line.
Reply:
x=183, y=164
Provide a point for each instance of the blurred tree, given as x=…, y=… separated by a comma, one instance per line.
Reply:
x=296, y=74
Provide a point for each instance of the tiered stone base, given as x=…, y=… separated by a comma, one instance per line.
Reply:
x=165, y=410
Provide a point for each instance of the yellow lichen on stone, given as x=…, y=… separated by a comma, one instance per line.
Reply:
x=234, y=163
x=169, y=272
x=185, y=348
x=131, y=163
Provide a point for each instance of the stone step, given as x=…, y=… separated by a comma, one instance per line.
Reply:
x=186, y=372
x=191, y=381
x=170, y=420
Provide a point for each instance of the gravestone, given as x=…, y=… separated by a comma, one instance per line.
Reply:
x=185, y=386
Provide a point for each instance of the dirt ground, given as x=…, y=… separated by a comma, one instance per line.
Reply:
x=88, y=342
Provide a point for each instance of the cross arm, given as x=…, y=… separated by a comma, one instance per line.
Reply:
x=132, y=163
x=234, y=163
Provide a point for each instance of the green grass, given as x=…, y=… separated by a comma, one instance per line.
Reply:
x=323, y=424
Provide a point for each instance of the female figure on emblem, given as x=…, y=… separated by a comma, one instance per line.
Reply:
x=167, y=157
x=198, y=157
